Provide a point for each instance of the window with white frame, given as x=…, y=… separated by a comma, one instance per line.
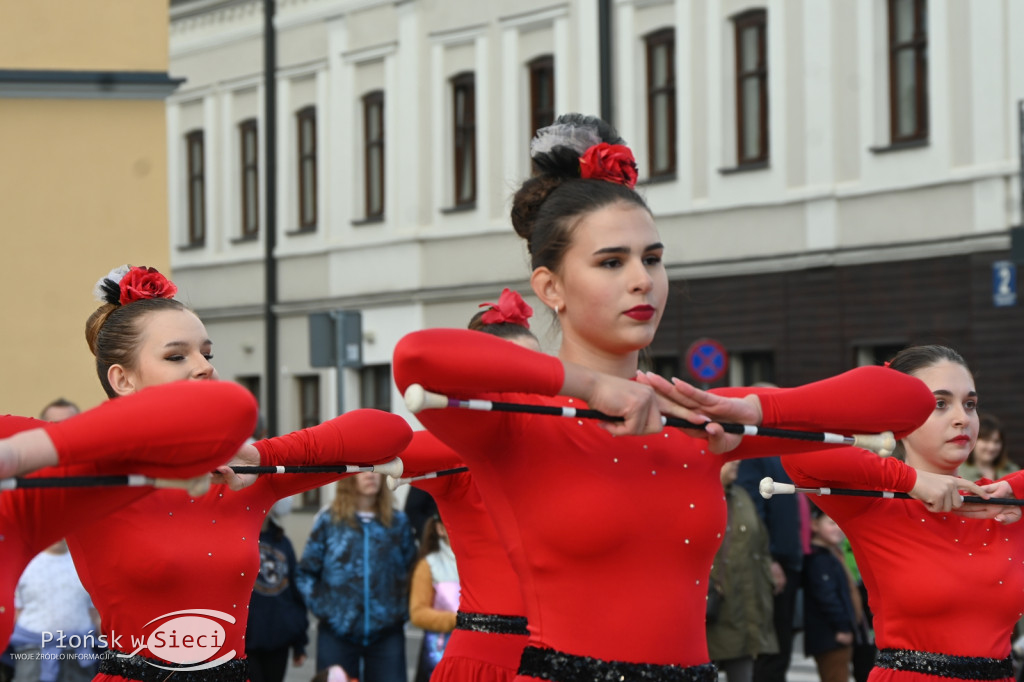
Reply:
x=305, y=120
x=373, y=153
x=750, y=29
x=908, y=70
x=196, y=181
x=464, y=137
x=542, y=92
x=661, y=102
x=248, y=145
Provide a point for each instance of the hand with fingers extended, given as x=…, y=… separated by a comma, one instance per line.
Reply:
x=246, y=456
x=998, y=512
x=941, y=492
x=685, y=401
x=636, y=403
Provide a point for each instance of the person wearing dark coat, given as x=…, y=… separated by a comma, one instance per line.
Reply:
x=740, y=629
x=781, y=516
x=829, y=613
x=277, y=614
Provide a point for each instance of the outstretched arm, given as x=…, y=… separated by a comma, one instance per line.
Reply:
x=177, y=430
x=359, y=437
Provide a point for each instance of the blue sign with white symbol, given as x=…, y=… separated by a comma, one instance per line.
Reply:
x=1004, y=283
x=706, y=360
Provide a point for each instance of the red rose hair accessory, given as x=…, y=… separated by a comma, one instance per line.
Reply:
x=128, y=284
x=609, y=162
x=510, y=308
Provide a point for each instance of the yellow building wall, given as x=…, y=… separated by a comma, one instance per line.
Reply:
x=83, y=189
x=102, y=35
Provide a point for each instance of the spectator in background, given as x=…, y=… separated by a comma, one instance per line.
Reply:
x=434, y=595
x=419, y=508
x=864, y=649
x=354, y=577
x=788, y=536
x=829, y=614
x=48, y=601
x=990, y=457
x=59, y=410
x=741, y=628
x=277, y=613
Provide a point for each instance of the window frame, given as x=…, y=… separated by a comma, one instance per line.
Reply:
x=918, y=44
x=371, y=101
x=464, y=132
x=652, y=41
x=375, y=380
x=309, y=415
x=306, y=116
x=540, y=68
x=196, y=231
x=757, y=19
x=248, y=130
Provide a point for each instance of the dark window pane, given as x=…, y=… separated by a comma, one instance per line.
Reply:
x=661, y=102
x=464, y=138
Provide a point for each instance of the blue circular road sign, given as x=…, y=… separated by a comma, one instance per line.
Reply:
x=706, y=360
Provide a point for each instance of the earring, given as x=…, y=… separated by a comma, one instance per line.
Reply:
x=558, y=308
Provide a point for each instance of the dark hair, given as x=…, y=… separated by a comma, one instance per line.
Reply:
x=113, y=332
x=59, y=402
x=989, y=426
x=550, y=204
x=430, y=539
x=916, y=358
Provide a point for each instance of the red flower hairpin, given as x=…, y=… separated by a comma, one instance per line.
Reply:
x=510, y=308
x=139, y=283
x=609, y=162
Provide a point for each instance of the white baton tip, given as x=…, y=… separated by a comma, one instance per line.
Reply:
x=415, y=398
x=395, y=483
x=395, y=468
x=766, y=487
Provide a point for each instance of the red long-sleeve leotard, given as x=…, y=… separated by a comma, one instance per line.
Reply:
x=936, y=582
x=488, y=584
x=613, y=538
x=137, y=434
x=170, y=552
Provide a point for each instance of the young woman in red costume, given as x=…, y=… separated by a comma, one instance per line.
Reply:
x=220, y=417
x=915, y=564
x=190, y=563
x=612, y=538
x=490, y=627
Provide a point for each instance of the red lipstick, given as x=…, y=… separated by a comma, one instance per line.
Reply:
x=641, y=312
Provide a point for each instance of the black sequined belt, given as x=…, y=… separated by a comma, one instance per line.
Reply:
x=548, y=664
x=943, y=665
x=492, y=623
x=146, y=669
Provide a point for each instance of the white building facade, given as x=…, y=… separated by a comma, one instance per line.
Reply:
x=777, y=141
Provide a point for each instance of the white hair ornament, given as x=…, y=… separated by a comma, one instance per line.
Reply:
x=575, y=137
x=103, y=291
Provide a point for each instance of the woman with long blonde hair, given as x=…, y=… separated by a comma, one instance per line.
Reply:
x=354, y=576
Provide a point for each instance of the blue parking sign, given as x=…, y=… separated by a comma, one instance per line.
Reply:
x=1004, y=283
